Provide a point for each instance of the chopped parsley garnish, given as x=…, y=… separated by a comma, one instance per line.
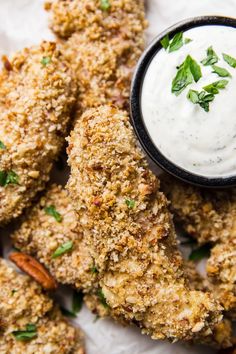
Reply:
x=2, y=146
x=102, y=298
x=165, y=42
x=94, y=270
x=27, y=334
x=216, y=86
x=200, y=253
x=8, y=177
x=130, y=203
x=77, y=302
x=211, y=58
x=45, y=61
x=188, y=72
x=220, y=71
x=51, y=210
x=66, y=247
x=105, y=5
x=176, y=43
x=202, y=98
x=229, y=60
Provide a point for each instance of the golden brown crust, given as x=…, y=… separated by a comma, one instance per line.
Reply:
x=124, y=19
x=36, y=97
x=103, y=46
x=33, y=268
x=130, y=231
x=40, y=235
x=22, y=302
x=209, y=216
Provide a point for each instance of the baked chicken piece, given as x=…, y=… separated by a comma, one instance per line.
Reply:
x=125, y=222
x=210, y=217
x=37, y=92
x=29, y=321
x=102, y=41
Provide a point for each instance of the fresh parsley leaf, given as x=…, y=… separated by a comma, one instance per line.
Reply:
x=165, y=42
x=229, y=60
x=216, y=86
x=94, y=270
x=200, y=253
x=2, y=146
x=9, y=177
x=27, y=334
x=187, y=40
x=105, y=5
x=202, y=98
x=66, y=247
x=188, y=72
x=77, y=302
x=177, y=42
x=220, y=71
x=51, y=210
x=67, y=312
x=45, y=61
x=211, y=58
x=102, y=298
x=12, y=178
x=130, y=203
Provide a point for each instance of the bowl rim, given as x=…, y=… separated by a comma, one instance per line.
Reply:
x=135, y=103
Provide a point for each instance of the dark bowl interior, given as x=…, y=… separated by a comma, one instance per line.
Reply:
x=136, y=112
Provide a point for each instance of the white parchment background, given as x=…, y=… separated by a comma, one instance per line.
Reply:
x=24, y=22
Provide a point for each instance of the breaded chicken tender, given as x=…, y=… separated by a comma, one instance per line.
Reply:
x=209, y=216
x=30, y=323
x=102, y=47
x=117, y=18
x=126, y=224
x=41, y=234
x=37, y=92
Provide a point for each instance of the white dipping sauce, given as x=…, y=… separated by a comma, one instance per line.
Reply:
x=201, y=142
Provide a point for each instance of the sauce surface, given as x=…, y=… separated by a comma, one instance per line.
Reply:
x=201, y=142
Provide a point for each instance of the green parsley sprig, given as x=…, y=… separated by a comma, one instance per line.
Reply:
x=27, y=334
x=188, y=72
x=51, y=210
x=211, y=58
x=176, y=43
x=202, y=98
x=229, y=60
x=66, y=247
x=8, y=177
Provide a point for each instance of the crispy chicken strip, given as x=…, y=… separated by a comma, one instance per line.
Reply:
x=209, y=216
x=40, y=235
x=29, y=321
x=36, y=96
x=126, y=224
x=103, y=46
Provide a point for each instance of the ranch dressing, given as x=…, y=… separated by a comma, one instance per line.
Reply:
x=201, y=142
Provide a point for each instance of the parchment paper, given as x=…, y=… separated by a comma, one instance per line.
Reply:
x=23, y=23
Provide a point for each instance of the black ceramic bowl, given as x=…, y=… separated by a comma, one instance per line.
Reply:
x=136, y=112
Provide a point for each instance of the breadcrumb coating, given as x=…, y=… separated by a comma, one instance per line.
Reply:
x=209, y=216
x=124, y=18
x=23, y=303
x=41, y=234
x=126, y=224
x=37, y=92
x=103, y=46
